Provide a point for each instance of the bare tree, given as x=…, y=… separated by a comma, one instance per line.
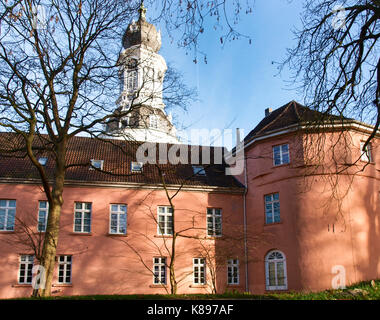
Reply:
x=186, y=21
x=336, y=61
x=60, y=76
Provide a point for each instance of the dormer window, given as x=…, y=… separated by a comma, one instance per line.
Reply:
x=199, y=170
x=136, y=166
x=98, y=164
x=43, y=161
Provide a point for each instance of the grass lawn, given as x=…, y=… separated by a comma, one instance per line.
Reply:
x=369, y=290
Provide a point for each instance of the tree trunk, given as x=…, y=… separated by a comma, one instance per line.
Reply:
x=173, y=281
x=48, y=258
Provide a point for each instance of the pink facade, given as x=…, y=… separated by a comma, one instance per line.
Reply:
x=108, y=264
x=327, y=228
x=298, y=227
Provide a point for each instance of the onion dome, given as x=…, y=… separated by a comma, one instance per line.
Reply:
x=142, y=33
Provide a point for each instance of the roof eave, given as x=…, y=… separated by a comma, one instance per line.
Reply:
x=131, y=185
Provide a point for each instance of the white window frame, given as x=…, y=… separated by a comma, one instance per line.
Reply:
x=274, y=257
x=282, y=154
x=212, y=216
x=366, y=155
x=272, y=203
x=153, y=121
x=7, y=208
x=98, y=164
x=166, y=214
x=65, y=265
x=132, y=78
x=82, y=212
x=199, y=271
x=233, y=274
x=118, y=212
x=26, y=260
x=42, y=213
x=159, y=271
x=136, y=166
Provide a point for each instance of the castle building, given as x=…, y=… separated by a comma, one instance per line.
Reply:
x=288, y=222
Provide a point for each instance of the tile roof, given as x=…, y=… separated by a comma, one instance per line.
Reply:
x=289, y=114
x=117, y=156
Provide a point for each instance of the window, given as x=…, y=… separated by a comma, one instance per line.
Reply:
x=275, y=270
x=366, y=153
x=233, y=271
x=82, y=215
x=43, y=161
x=272, y=208
x=118, y=219
x=43, y=211
x=159, y=269
x=98, y=164
x=281, y=154
x=153, y=121
x=214, y=222
x=7, y=215
x=64, y=269
x=199, y=268
x=136, y=166
x=165, y=220
x=199, y=170
x=132, y=80
x=26, y=266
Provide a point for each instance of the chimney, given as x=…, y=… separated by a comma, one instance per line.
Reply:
x=238, y=138
x=268, y=111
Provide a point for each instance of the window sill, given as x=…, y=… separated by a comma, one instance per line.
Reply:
x=158, y=286
x=269, y=291
x=281, y=165
x=237, y=285
x=162, y=236
x=273, y=223
x=81, y=233
x=214, y=237
x=198, y=286
x=6, y=232
x=117, y=235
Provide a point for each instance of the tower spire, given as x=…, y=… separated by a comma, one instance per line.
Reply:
x=142, y=11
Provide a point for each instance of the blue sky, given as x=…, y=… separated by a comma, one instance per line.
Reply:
x=239, y=81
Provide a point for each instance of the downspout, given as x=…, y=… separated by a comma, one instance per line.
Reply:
x=245, y=223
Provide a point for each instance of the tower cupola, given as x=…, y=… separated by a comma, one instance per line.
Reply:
x=142, y=33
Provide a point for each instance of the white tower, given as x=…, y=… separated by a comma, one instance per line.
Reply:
x=142, y=72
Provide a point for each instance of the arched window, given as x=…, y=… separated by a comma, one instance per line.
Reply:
x=275, y=271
